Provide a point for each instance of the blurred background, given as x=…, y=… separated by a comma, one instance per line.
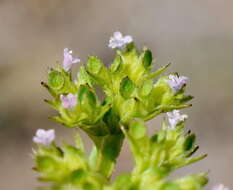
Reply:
x=196, y=36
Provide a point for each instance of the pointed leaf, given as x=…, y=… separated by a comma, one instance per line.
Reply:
x=137, y=129
x=86, y=96
x=158, y=72
x=146, y=88
x=116, y=64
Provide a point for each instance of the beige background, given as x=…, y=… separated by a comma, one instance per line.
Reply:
x=195, y=35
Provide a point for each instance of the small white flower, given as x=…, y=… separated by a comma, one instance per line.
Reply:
x=176, y=82
x=44, y=137
x=69, y=60
x=119, y=41
x=175, y=117
x=220, y=187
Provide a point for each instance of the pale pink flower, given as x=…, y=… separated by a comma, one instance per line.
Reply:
x=68, y=101
x=220, y=187
x=175, y=117
x=44, y=137
x=69, y=60
x=176, y=82
x=119, y=41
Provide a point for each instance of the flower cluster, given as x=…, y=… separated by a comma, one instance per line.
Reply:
x=133, y=95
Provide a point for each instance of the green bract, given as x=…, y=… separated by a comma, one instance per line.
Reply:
x=133, y=94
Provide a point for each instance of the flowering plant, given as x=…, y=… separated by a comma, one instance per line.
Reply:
x=133, y=95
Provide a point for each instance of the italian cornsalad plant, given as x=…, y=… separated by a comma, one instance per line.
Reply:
x=133, y=94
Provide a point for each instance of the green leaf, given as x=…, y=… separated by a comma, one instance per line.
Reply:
x=192, y=160
x=116, y=64
x=86, y=96
x=170, y=186
x=127, y=109
x=158, y=72
x=53, y=104
x=83, y=77
x=78, y=176
x=146, y=87
x=93, y=157
x=45, y=163
x=74, y=157
x=103, y=109
x=126, y=88
x=193, y=182
x=186, y=99
x=50, y=169
x=79, y=142
x=137, y=129
x=123, y=180
x=158, y=94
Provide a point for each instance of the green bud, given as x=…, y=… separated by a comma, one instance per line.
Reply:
x=189, y=142
x=94, y=65
x=99, y=74
x=127, y=88
x=147, y=59
x=56, y=80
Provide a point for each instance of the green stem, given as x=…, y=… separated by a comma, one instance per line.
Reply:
x=107, y=150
